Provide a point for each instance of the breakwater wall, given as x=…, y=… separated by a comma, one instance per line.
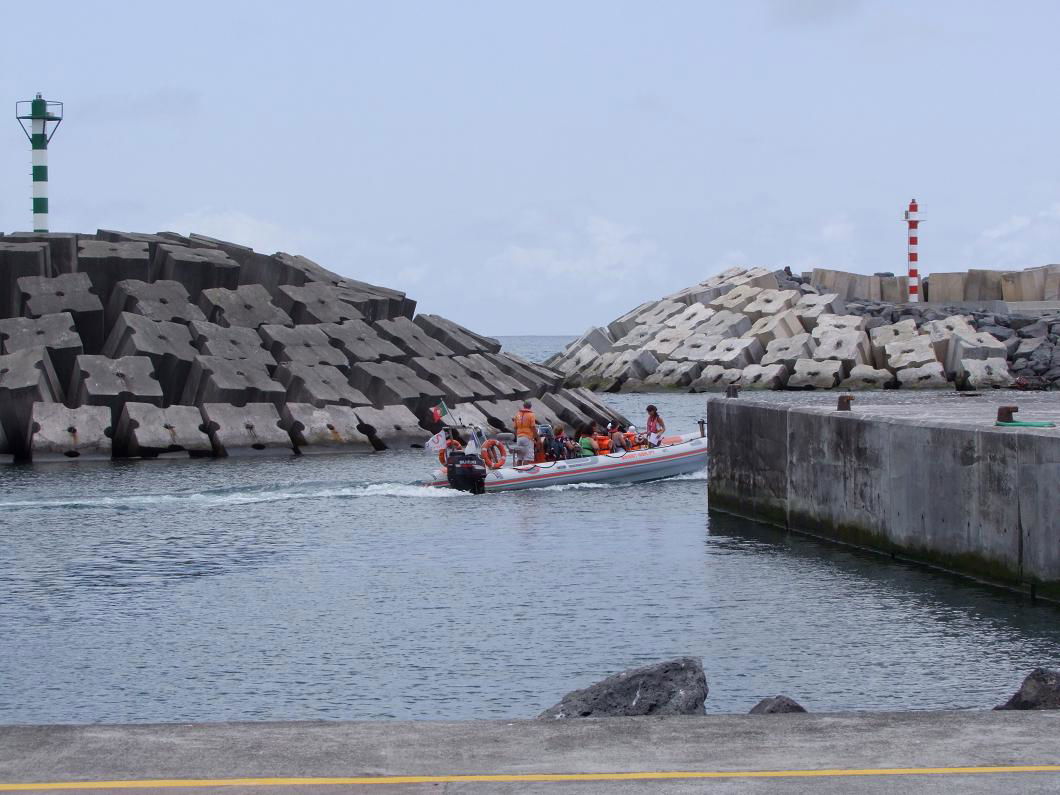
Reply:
x=935, y=482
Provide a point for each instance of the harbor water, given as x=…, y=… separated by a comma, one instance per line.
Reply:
x=332, y=587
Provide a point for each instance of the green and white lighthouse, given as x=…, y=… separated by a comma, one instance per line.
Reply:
x=44, y=118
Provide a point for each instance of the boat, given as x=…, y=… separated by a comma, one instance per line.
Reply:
x=676, y=455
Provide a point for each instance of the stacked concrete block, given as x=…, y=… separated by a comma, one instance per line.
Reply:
x=702, y=293
x=302, y=345
x=412, y=339
x=788, y=350
x=770, y=303
x=55, y=333
x=164, y=300
x=972, y=346
x=319, y=385
x=761, y=278
x=108, y=263
x=983, y=285
x=593, y=371
x=197, y=269
x=253, y=429
x=18, y=260
x=359, y=342
x=946, y=287
x=456, y=381
x=464, y=341
x=150, y=242
x=725, y=324
x=928, y=376
x=168, y=345
x=315, y=303
x=390, y=426
x=666, y=341
x=847, y=285
x=148, y=431
x=536, y=376
x=1052, y=283
x=764, y=376
x=737, y=299
x=101, y=381
x=622, y=325
x=942, y=331
x=58, y=433
x=811, y=308
x=502, y=384
x=696, y=347
x=375, y=302
x=894, y=289
x=1026, y=285
x=815, y=374
x=26, y=377
x=881, y=336
x=216, y=380
x=831, y=324
x=68, y=292
x=247, y=306
x=983, y=374
x=639, y=336
x=864, y=376
x=715, y=377
x=735, y=353
x=393, y=383
x=631, y=364
x=660, y=312
x=850, y=348
x=674, y=374
x=62, y=249
x=777, y=326
x=693, y=316
x=232, y=342
x=590, y=407
x=909, y=352
x=326, y=429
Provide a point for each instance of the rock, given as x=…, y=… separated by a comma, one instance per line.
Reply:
x=863, y=376
x=674, y=687
x=788, y=350
x=716, y=377
x=771, y=376
x=929, y=376
x=777, y=705
x=810, y=374
x=1040, y=690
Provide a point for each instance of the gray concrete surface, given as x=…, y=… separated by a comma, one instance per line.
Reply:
x=714, y=744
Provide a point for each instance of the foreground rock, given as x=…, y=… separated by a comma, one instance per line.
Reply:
x=776, y=705
x=674, y=687
x=1040, y=690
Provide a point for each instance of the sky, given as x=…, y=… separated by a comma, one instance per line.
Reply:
x=543, y=167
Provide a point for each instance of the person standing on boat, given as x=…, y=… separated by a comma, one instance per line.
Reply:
x=655, y=427
x=525, y=424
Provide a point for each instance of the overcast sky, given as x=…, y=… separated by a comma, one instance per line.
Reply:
x=541, y=167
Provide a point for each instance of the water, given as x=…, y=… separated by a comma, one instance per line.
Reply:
x=333, y=588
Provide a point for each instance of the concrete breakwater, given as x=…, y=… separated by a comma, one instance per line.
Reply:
x=936, y=482
x=146, y=345
x=825, y=329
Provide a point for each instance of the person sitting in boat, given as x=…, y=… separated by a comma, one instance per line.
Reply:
x=586, y=441
x=561, y=446
x=633, y=438
x=619, y=443
x=655, y=427
x=525, y=425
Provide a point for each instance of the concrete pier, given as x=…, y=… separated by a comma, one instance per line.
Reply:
x=944, y=752
x=935, y=481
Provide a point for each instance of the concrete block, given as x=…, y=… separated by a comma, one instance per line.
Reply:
x=666, y=342
x=760, y=278
x=621, y=326
x=941, y=331
x=983, y=285
x=894, y=289
x=864, y=376
x=149, y=242
x=975, y=374
x=536, y=376
x=454, y=379
x=973, y=346
x=390, y=427
x=62, y=249
x=197, y=269
x=702, y=293
x=319, y=385
x=764, y=376
x=631, y=364
x=1052, y=283
x=101, y=381
x=108, y=263
x=724, y=277
x=909, y=352
x=828, y=324
x=674, y=374
x=638, y=337
x=17, y=261
x=735, y=353
x=412, y=339
x=812, y=307
x=393, y=383
x=68, y=292
x=778, y=326
x=26, y=377
x=148, y=431
x=55, y=333
x=599, y=339
x=168, y=345
x=234, y=342
x=770, y=303
x=579, y=360
x=928, y=376
x=788, y=350
x=736, y=299
x=464, y=341
x=499, y=414
x=247, y=306
x=58, y=433
x=359, y=342
x=815, y=374
x=503, y=384
x=850, y=348
x=659, y=312
x=374, y=302
x=303, y=345
x=250, y=430
x=216, y=380
x=7, y=455
x=315, y=303
x=946, y=287
x=591, y=407
x=327, y=429
x=881, y=336
x=715, y=377
x=696, y=347
x=695, y=314
x=725, y=324
x=165, y=301
x=462, y=415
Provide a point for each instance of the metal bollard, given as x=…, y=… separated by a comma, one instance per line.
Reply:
x=1005, y=413
x=702, y=428
x=844, y=402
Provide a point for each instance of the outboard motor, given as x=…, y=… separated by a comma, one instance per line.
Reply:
x=466, y=472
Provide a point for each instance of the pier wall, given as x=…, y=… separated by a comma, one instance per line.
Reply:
x=930, y=483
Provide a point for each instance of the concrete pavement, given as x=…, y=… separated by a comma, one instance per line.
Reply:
x=868, y=752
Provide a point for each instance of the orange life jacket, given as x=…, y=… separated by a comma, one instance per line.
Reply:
x=604, y=443
x=525, y=423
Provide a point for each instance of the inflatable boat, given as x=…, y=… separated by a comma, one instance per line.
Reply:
x=679, y=455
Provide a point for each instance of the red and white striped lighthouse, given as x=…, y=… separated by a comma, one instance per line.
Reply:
x=912, y=219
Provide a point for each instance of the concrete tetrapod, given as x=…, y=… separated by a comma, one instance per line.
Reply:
x=881, y=336
x=319, y=385
x=168, y=345
x=777, y=326
x=327, y=429
x=811, y=308
x=456, y=337
x=234, y=342
x=716, y=377
x=451, y=377
x=163, y=300
x=100, y=381
x=942, y=331
x=850, y=348
x=906, y=352
x=315, y=303
x=253, y=429
x=58, y=433
x=983, y=374
x=502, y=384
x=673, y=373
x=771, y=302
x=391, y=383
x=764, y=376
x=248, y=306
x=812, y=374
x=410, y=338
x=972, y=346
x=240, y=383
x=302, y=345
x=147, y=431
x=789, y=350
x=864, y=376
x=68, y=292
x=26, y=377
x=928, y=376
x=55, y=333
x=359, y=342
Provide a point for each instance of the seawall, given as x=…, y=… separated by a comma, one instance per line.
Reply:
x=936, y=482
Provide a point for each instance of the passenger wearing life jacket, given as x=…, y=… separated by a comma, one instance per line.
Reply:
x=655, y=427
x=525, y=425
x=618, y=439
x=603, y=443
x=631, y=437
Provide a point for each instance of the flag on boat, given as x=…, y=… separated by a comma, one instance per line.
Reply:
x=436, y=442
x=440, y=413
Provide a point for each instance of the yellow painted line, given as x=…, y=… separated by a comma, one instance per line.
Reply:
x=509, y=778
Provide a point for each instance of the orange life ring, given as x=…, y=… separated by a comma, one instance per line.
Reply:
x=493, y=454
x=443, y=454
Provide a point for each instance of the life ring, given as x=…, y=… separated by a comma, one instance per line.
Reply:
x=493, y=454
x=443, y=454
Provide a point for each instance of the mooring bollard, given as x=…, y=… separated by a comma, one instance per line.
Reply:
x=732, y=391
x=1006, y=413
x=844, y=402
x=702, y=428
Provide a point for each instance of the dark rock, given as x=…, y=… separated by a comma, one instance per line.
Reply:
x=1019, y=321
x=1036, y=329
x=1040, y=690
x=875, y=322
x=776, y=705
x=674, y=687
x=1000, y=332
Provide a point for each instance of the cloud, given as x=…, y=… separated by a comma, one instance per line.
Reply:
x=240, y=227
x=1020, y=240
